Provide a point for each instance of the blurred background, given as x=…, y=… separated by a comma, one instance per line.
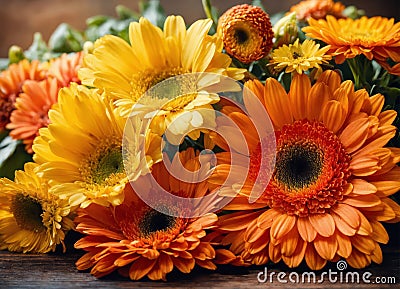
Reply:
x=19, y=19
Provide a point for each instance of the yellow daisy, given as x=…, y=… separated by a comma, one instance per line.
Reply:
x=126, y=71
x=81, y=149
x=299, y=57
x=31, y=218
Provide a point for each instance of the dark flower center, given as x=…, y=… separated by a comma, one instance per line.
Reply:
x=241, y=36
x=27, y=212
x=154, y=221
x=298, y=166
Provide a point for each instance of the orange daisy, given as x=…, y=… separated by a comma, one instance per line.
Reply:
x=11, y=81
x=377, y=38
x=317, y=9
x=140, y=241
x=65, y=68
x=31, y=111
x=333, y=178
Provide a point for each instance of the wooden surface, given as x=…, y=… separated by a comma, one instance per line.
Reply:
x=57, y=270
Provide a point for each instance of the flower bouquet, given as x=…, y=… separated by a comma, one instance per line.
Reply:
x=240, y=139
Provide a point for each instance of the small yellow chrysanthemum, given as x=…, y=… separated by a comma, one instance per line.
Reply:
x=127, y=71
x=81, y=150
x=31, y=218
x=299, y=57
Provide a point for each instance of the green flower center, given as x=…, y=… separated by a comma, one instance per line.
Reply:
x=27, y=212
x=109, y=164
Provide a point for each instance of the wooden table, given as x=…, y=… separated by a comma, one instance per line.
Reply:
x=57, y=270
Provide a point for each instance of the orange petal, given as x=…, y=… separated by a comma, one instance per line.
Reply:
x=313, y=259
x=364, y=244
x=277, y=103
x=362, y=187
x=344, y=245
x=354, y=135
x=323, y=224
x=306, y=230
x=282, y=225
x=318, y=97
x=267, y=218
x=289, y=243
x=326, y=246
x=298, y=95
x=349, y=214
x=363, y=201
x=379, y=233
x=331, y=78
x=140, y=268
x=358, y=260
x=298, y=255
x=333, y=115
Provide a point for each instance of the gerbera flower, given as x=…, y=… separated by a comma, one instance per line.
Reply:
x=138, y=240
x=32, y=107
x=376, y=38
x=11, y=81
x=246, y=32
x=65, y=68
x=332, y=182
x=128, y=71
x=317, y=9
x=299, y=57
x=81, y=149
x=31, y=218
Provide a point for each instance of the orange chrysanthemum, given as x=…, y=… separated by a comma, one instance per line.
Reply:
x=317, y=9
x=140, y=241
x=377, y=38
x=31, y=111
x=65, y=68
x=246, y=32
x=332, y=182
x=11, y=81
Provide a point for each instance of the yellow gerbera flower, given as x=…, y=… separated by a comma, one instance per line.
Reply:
x=127, y=71
x=31, y=218
x=299, y=57
x=332, y=182
x=81, y=150
x=376, y=38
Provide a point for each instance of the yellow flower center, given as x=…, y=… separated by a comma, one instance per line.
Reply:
x=104, y=166
x=144, y=80
x=27, y=212
x=179, y=103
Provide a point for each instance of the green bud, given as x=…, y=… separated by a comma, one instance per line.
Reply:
x=15, y=54
x=285, y=30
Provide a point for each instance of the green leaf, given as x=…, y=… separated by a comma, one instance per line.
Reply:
x=153, y=11
x=3, y=63
x=65, y=39
x=96, y=20
x=15, y=161
x=38, y=48
x=125, y=13
x=258, y=3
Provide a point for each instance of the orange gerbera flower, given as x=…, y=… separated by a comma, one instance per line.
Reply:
x=376, y=37
x=140, y=241
x=330, y=188
x=32, y=107
x=65, y=68
x=317, y=9
x=11, y=81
